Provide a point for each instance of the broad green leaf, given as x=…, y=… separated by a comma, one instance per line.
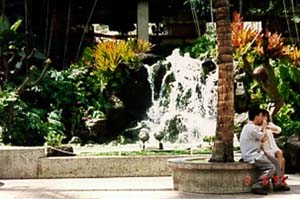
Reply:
x=16, y=25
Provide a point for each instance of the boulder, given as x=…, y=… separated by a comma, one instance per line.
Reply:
x=291, y=151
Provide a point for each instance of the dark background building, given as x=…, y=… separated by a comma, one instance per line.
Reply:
x=62, y=28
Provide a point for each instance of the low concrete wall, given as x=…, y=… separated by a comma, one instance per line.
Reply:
x=31, y=162
x=94, y=167
x=20, y=162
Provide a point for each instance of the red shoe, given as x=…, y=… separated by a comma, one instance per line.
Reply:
x=265, y=181
x=276, y=181
x=283, y=180
x=280, y=184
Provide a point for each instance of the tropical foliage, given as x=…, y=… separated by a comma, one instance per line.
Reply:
x=41, y=104
x=205, y=46
x=254, y=48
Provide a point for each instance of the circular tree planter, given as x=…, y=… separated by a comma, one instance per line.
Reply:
x=200, y=176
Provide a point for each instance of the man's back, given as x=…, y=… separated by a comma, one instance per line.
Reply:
x=250, y=140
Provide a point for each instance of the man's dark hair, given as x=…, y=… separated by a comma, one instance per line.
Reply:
x=254, y=111
x=265, y=112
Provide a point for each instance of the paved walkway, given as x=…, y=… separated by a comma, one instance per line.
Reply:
x=119, y=188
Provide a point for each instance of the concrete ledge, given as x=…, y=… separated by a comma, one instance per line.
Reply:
x=31, y=162
x=115, y=166
x=192, y=175
x=20, y=162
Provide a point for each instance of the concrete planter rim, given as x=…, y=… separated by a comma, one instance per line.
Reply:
x=190, y=175
x=189, y=163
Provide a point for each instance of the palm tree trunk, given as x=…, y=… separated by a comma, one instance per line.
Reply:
x=223, y=146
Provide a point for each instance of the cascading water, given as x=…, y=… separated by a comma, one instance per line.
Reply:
x=184, y=107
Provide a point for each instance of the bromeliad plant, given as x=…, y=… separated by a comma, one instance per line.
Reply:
x=254, y=46
x=242, y=36
x=140, y=46
x=114, y=59
x=293, y=53
x=109, y=54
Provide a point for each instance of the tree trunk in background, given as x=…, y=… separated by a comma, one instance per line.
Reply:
x=2, y=8
x=223, y=146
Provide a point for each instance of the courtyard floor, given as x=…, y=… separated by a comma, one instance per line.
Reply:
x=120, y=188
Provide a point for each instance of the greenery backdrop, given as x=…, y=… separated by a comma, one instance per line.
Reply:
x=39, y=103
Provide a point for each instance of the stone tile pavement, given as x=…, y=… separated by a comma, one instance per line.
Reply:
x=120, y=188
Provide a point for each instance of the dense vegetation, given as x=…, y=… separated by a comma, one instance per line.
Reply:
x=39, y=103
x=254, y=49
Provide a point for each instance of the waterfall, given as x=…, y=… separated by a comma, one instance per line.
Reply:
x=183, y=100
